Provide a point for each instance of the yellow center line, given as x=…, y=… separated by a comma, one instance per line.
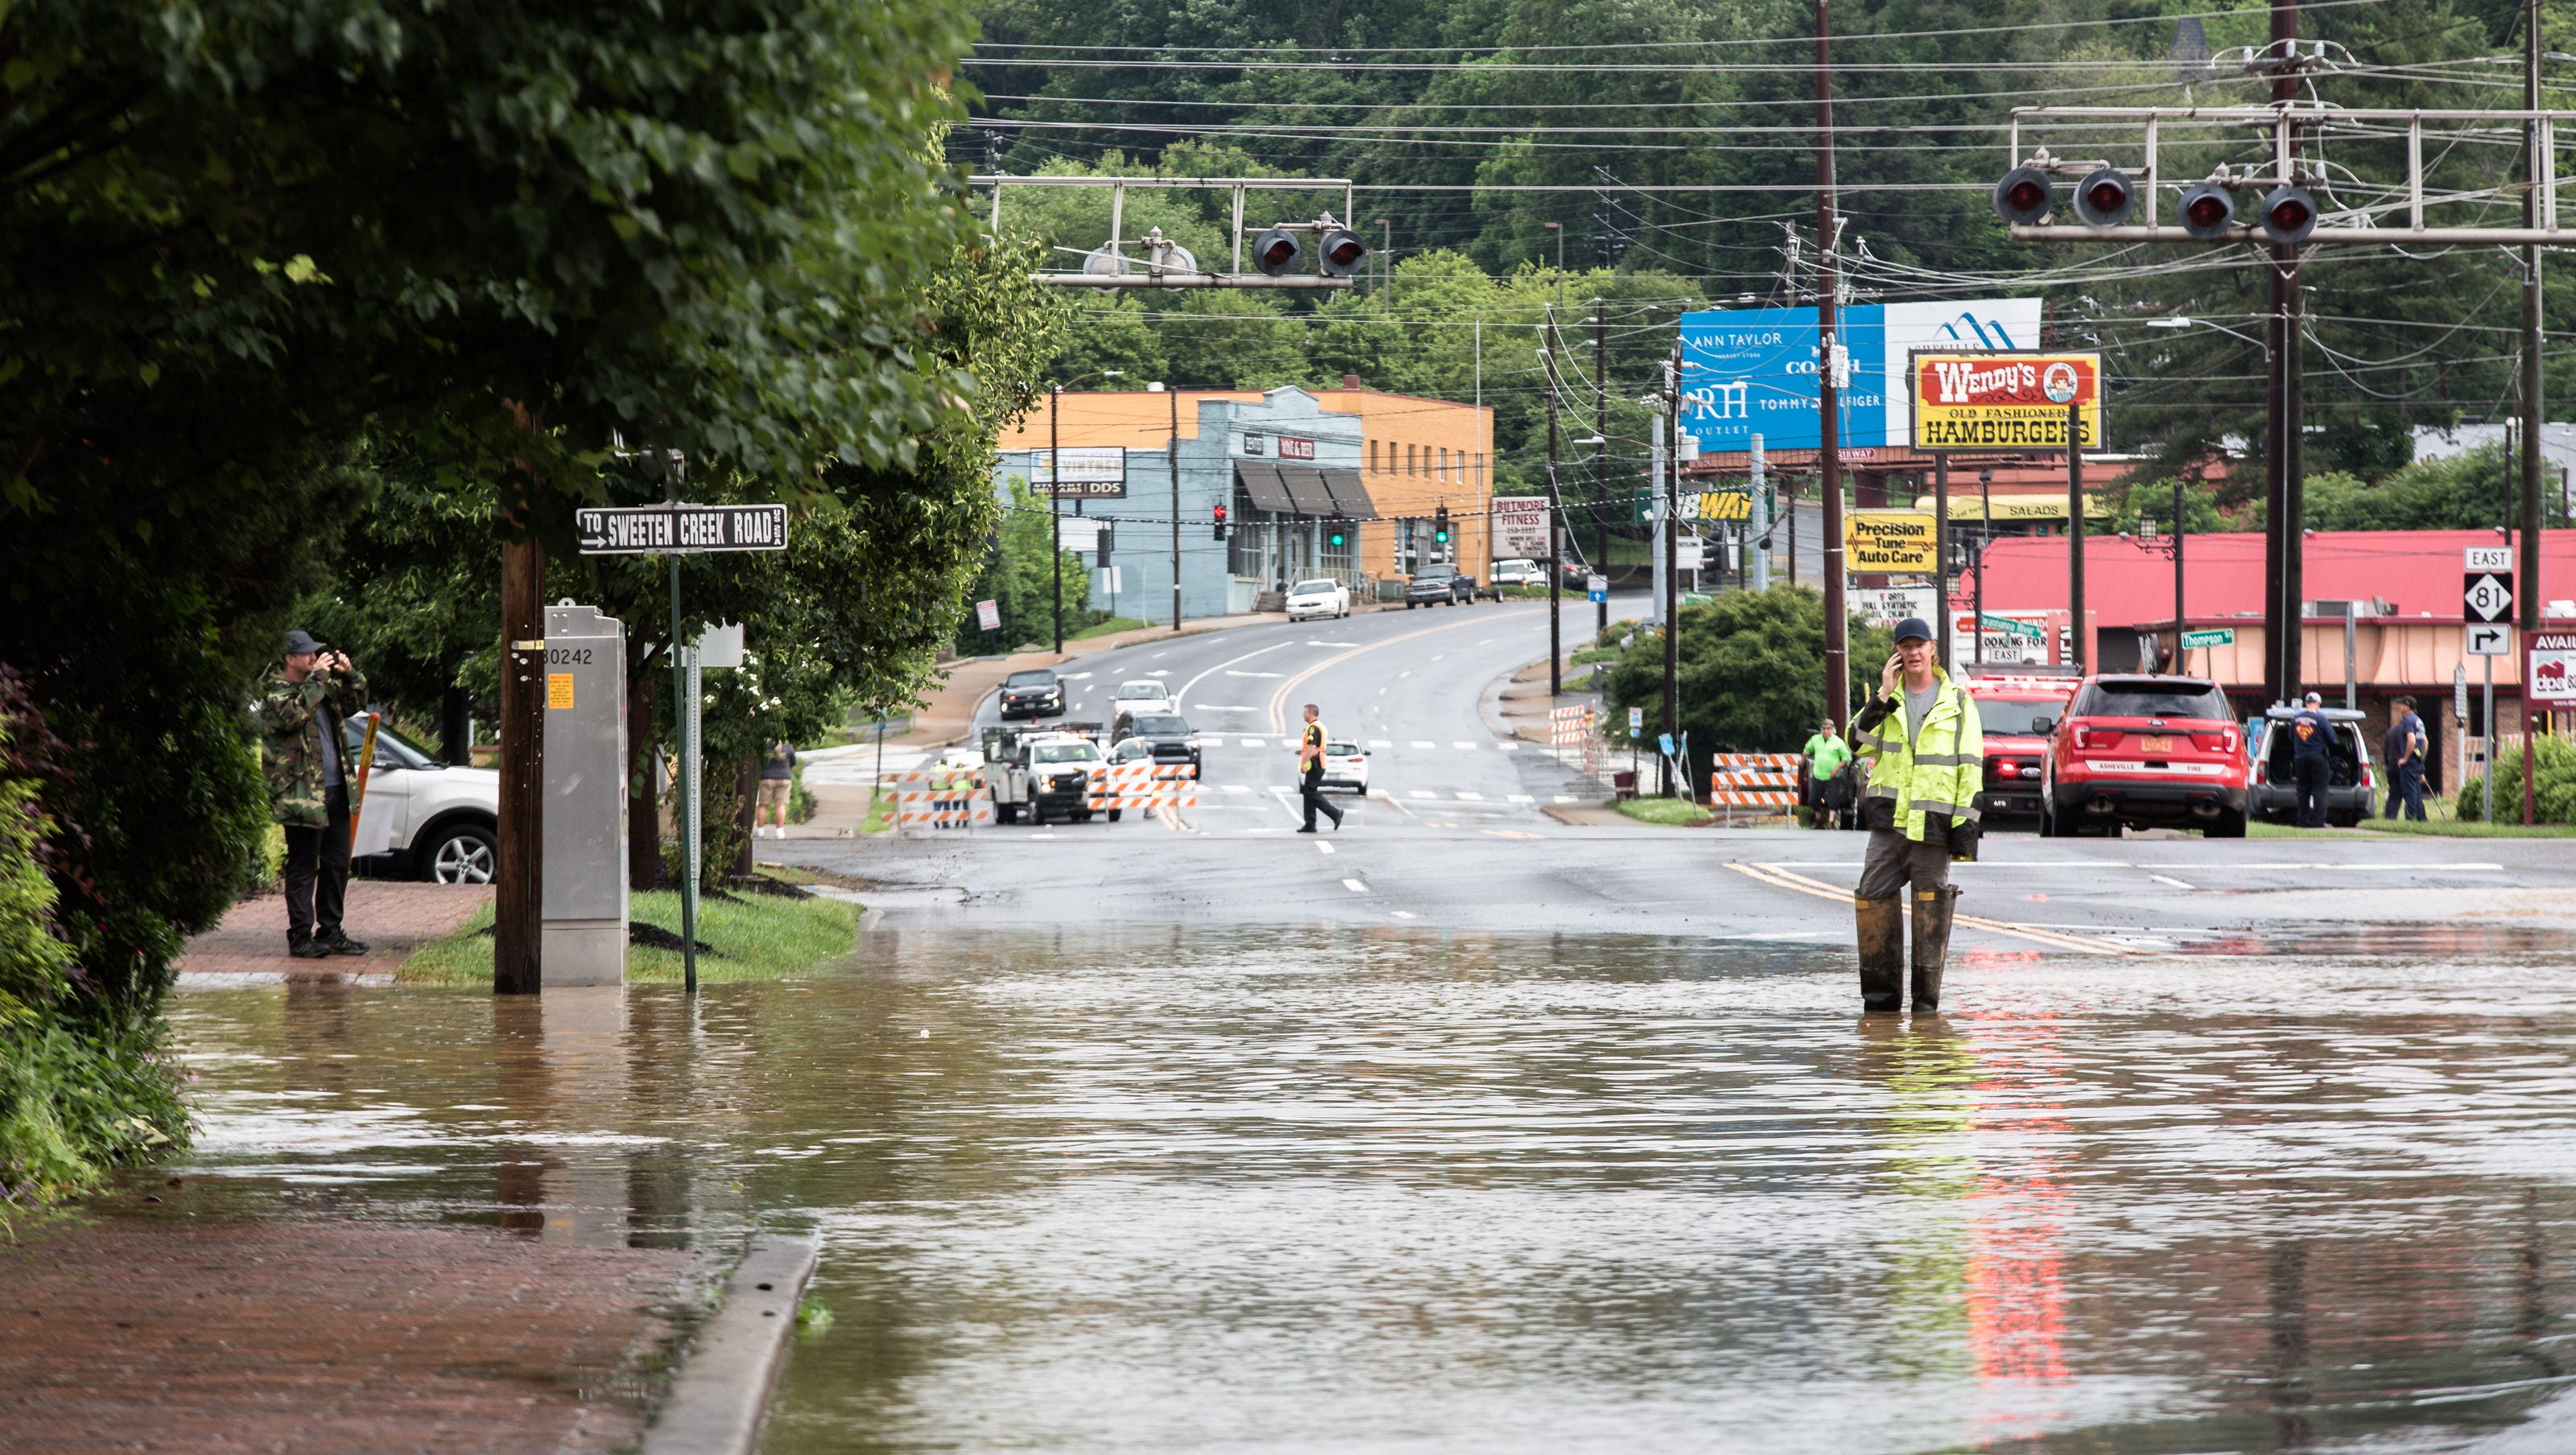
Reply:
x=1780, y=878
x=1279, y=699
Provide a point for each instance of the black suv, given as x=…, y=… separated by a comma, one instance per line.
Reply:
x=1034, y=693
x=1433, y=588
x=1166, y=736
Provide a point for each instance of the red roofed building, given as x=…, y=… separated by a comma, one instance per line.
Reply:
x=2407, y=635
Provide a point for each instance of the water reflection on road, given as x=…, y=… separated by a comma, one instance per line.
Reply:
x=1361, y=1190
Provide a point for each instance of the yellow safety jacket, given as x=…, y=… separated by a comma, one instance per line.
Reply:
x=1934, y=766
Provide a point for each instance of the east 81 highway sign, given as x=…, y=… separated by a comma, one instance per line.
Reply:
x=2486, y=583
x=662, y=530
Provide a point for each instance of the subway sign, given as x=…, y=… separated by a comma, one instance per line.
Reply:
x=1993, y=400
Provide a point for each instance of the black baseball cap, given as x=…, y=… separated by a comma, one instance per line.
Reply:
x=1914, y=626
x=301, y=644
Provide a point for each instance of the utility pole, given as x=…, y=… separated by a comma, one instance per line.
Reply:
x=1176, y=505
x=1555, y=530
x=1671, y=489
x=2285, y=519
x=517, y=964
x=1828, y=411
x=2528, y=606
x=1386, y=256
x=2082, y=651
x=1941, y=561
x=1055, y=506
x=2177, y=540
x=1601, y=462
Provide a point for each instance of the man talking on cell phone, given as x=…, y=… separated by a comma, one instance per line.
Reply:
x=304, y=751
x=1926, y=752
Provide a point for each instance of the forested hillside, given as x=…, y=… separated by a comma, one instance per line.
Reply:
x=1674, y=143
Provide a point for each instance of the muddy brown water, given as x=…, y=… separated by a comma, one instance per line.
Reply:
x=1398, y=1190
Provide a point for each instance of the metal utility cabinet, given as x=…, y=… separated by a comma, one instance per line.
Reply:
x=583, y=938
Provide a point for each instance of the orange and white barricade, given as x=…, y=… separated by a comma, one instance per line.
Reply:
x=1569, y=727
x=1753, y=780
x=937, y=798
x=1144, y=787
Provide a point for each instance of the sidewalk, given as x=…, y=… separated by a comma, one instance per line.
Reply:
x=125, y=1328
x=394, y=917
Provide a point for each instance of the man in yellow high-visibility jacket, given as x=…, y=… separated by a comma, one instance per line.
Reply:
x=1925, y=750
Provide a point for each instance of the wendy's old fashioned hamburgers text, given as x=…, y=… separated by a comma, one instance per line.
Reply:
x=1989, y=401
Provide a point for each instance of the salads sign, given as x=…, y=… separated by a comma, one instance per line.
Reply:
x=1989, y=401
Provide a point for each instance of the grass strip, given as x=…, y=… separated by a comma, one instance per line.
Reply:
x=1104, y=628
x=2432, y=829
x=755, y=937
x=1668, y=812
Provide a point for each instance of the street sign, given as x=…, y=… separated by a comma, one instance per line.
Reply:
x=2011, y=626
x=2488, y=640
x=2460, y=692
x=2216, y=636
x=988, y=615
x=1597, y=586
x=1686, y=554
x=675, y=530
x=2487, y=595
x=2487, y=558
x=1636, y=721
x=2549, y=671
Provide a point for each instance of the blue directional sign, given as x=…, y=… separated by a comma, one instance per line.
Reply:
x=1752, y=371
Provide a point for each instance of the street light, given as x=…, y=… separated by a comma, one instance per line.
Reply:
x=1055, y=489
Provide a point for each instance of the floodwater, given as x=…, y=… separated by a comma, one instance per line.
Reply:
x=1386, y=1190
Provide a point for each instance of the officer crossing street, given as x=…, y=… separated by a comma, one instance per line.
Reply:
x=1925, y=750
x=1310, y=773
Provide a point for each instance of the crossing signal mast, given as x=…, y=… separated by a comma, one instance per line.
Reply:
x=1279, y=251
x=2259, y=176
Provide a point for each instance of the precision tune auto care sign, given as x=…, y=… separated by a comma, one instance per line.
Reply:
x=1891, y=542
x=1983, y=401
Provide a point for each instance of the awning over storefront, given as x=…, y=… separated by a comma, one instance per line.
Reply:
x=1260, y=480
x=1349, y=496
x=1306, y=486
x=1964, y=505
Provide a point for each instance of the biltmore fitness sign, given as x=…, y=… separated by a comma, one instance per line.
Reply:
x=2005, y=401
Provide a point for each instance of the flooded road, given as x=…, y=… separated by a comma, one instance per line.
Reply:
x=1366, y=1189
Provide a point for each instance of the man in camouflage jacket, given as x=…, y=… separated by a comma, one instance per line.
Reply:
x=303, y=748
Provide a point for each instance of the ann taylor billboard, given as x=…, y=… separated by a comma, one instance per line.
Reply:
x=1750, y=371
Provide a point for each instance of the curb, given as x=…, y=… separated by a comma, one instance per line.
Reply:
x=722, y=1390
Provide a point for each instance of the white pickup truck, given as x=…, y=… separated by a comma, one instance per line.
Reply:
x=1043, y=772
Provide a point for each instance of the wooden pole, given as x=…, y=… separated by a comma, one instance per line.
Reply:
x=517, y=964
x=1828, y=412
x=2079, y=651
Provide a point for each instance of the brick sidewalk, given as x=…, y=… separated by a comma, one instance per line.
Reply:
x=126, y=1334
x=394, y=917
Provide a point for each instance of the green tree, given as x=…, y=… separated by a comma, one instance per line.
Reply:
x=1752, y=672
x=1019, y=577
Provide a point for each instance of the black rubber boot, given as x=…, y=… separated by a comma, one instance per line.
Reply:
x=1882, y=953
x=1933, y=909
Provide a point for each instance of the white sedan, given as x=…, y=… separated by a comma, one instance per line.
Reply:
x=1310, y=599
x=1518, y=573
x=1142, y=695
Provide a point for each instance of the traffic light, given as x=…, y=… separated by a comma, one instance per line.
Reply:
x=2024, y=196
x=2104, y=198
x=1341, y=253
x=1440, y=525
x=2208, y=210
x=2289, y=215
x=1275, y=251
x=1337, y=532
x=1220, y=522
x=1100, y=544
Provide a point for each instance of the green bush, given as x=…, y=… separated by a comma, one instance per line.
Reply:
x=1752, y=672
x=2554, y=786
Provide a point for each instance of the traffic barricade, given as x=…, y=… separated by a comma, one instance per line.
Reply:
x=937, y=798
x=1753, y=780
x=1144, y=786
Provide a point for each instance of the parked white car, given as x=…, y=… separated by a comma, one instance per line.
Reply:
x=1517, y=573
x=1310, y=599
x=1143, y=695
x=1346, y=766
x=421, y=818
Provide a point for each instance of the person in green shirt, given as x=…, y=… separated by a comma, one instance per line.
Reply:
x=1826, y=753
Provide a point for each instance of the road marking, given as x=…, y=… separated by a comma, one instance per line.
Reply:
x=1522, y=798
x=1507, y=747
x=1071, y=676
x=1160, y=672
x=2169, y=879
x=1033, y=838
x=1381, y=742
x=1424, y=793
x=1310, y=641
x=1218, y=707
x=1465, y=796
x=1252, y=742
x=1391, y=801
x=1421, y=743
x=1567, y=798
x=1230, y=672
x=1279, y=699
x=1324, y=847
x=1354, y=886
x=1436, y=656
x=1484, y=641
x=1158, y=656
x=1403, y=914
x=1464, y=747
x=1779, y=878
x=1238, y=788
x=1510, y=834
x=1192, y=685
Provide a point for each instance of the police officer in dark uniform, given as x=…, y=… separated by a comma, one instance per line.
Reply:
x=1310, y=772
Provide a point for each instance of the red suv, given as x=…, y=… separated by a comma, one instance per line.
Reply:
x=2145, y=752
x=2017, y=712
